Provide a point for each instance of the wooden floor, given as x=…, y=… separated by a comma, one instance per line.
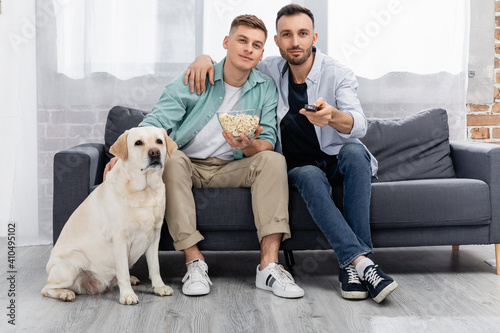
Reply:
x=440, y=290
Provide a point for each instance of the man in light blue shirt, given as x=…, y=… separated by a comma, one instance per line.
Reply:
x=322, y=147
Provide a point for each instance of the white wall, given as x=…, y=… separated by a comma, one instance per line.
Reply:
x=18, y=114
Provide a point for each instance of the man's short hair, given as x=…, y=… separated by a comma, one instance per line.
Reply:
x=251, y=21
x=293, y=9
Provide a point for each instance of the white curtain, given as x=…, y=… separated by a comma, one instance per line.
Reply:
x=18, y=126
x=127, y=39
x=114, y=36
x=408, y=55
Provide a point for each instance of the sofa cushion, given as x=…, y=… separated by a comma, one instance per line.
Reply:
x=119, y=120
x=430, y=203
x=212, y=213
x=413, y=147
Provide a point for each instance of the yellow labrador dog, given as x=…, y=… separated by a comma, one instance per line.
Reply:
x=118, y=222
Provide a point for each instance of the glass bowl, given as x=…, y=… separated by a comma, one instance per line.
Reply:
x=240, y=121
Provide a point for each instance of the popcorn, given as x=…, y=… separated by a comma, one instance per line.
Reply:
x=241, y=123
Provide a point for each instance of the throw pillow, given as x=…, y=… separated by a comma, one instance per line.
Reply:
x=413, y=147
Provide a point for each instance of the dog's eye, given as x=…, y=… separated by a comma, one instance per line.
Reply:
x=158, y=141
x=138, y=143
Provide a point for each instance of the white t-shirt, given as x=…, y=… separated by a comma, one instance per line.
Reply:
x=209, y=142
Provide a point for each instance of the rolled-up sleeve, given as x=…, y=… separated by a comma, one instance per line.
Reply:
x=171, y=107
x=268, y=121
x=347, y=101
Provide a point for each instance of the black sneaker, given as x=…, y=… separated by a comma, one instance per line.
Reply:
x=350, y=284
x=379, y=284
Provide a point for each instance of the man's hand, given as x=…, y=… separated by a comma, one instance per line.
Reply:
x=249, y=146
x=243, y=142
x=196, y=73
x=328, y=115
x=109, y=166
x=322, y=116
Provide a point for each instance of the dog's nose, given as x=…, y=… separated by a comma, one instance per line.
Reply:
x=154, y=152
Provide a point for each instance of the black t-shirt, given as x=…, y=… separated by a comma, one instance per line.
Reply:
x=298, y=137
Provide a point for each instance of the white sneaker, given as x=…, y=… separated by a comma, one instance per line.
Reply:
x=276, y=279
x=196, y=281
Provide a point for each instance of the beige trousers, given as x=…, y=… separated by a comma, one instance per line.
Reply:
x=265, y=173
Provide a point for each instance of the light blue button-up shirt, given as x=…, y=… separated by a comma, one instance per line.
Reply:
x=336, y=84
x=186, y=114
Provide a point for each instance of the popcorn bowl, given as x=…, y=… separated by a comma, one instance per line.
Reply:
x=240, y=121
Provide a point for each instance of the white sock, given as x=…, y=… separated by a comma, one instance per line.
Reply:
x=361, y=266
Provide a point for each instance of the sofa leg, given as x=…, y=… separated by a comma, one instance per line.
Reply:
x=455, y=247
x=289, y=260
x=497, y=257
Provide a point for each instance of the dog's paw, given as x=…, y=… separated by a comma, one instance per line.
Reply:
x=67, y=295
x=163, y=291
x=134, y=281
x=129, y=298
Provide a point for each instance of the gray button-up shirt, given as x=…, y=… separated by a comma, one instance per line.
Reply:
x=336, y=84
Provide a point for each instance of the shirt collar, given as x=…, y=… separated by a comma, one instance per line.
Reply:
x=218, y=68
x=315, y=72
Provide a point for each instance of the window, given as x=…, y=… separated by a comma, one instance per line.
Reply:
x=127, y=38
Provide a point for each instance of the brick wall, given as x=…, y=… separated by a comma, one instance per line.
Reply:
x=61, y=127
x=483, y=121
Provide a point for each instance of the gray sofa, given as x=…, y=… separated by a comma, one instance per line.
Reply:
x=428, y=192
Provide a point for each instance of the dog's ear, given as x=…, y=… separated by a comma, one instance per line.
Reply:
x=119, y=148
x=171, y=145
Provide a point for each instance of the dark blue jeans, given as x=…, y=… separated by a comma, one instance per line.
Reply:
x=348, y=232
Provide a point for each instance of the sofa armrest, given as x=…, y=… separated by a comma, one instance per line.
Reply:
x=476, y=160
x=76, y=171
x=481, y=161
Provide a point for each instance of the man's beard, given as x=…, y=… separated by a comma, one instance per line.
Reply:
x=293, y=60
